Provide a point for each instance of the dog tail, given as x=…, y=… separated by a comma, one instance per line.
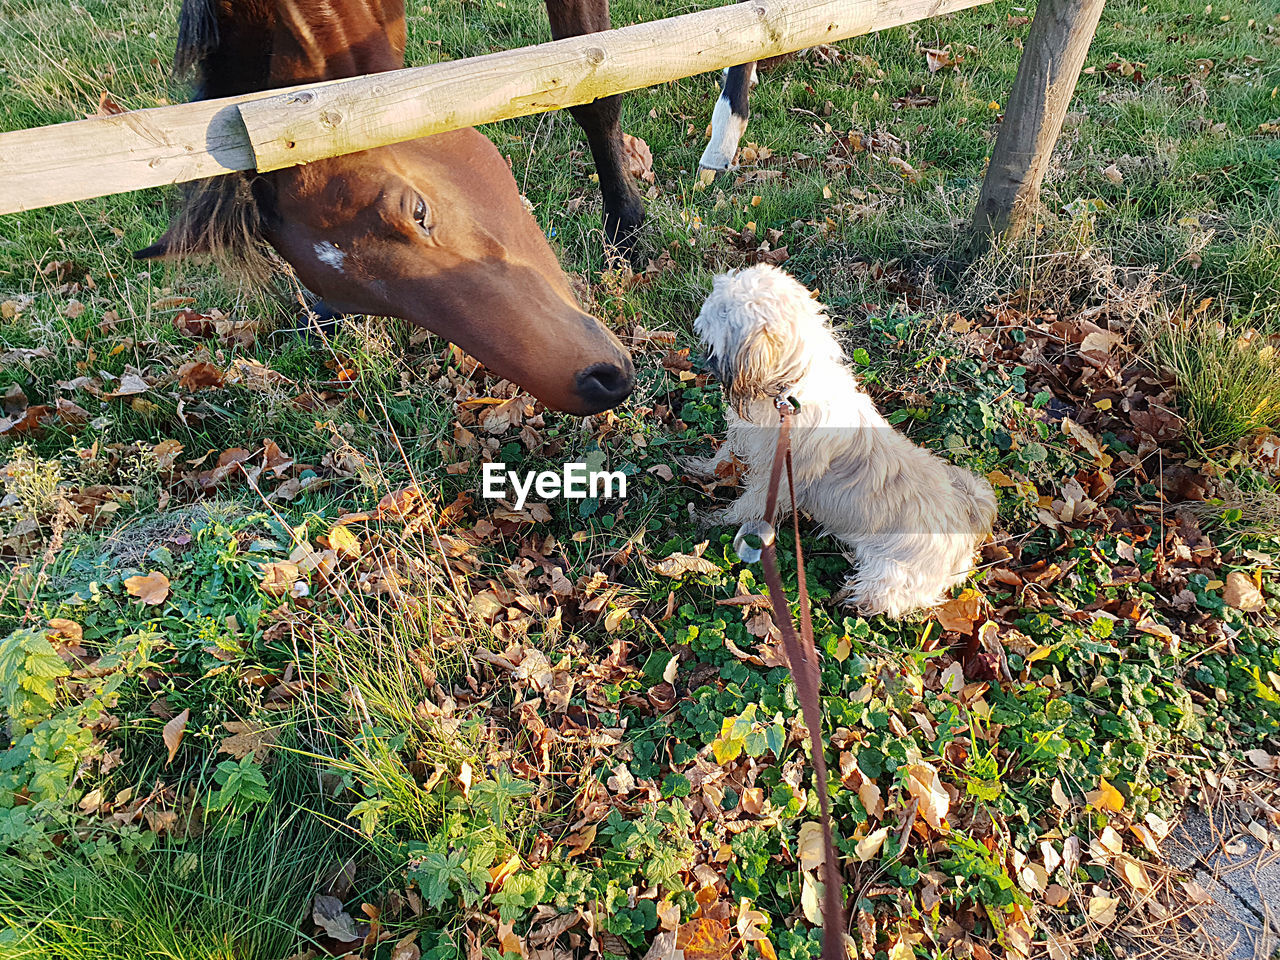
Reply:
x=979, y=499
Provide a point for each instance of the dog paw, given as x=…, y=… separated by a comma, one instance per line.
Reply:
x=708, y=519
x=861, y=599
x=736, y=514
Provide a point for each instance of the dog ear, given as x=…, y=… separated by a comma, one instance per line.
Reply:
x=767, y=362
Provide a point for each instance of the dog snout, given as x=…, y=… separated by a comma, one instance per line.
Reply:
x=718, y=368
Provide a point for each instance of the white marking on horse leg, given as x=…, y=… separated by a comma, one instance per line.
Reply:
x=727, y=129
x=328, y=253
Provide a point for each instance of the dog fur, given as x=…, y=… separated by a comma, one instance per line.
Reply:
x=912, y=520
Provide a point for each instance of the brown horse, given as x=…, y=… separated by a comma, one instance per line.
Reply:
x=432, y=230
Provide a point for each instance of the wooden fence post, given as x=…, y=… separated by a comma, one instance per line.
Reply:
x=1047, y=73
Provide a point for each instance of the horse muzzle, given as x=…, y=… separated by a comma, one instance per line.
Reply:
x=603, y=385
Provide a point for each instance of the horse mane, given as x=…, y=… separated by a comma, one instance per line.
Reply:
x=222, y=217
x=198, y=36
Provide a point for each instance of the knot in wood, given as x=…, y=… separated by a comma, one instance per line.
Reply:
x=330, y=119
x=595, y=55
x=302, y=96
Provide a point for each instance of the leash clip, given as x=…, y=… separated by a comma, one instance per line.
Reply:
x=762, y=531
x=785, y=399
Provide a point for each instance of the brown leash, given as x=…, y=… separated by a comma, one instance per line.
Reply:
x=802, y=658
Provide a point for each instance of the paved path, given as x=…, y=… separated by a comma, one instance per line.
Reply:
x=1242, y=878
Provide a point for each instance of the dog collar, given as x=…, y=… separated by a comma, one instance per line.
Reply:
x=785, y=399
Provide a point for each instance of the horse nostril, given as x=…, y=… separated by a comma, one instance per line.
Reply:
x=605, y=385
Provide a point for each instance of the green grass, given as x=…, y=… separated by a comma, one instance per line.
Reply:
x=1229, y=379
x=240, y=893
x=475, y=688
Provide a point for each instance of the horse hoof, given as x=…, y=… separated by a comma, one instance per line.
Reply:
x=621, y=234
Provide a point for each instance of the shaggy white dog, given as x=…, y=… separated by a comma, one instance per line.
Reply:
x=912, y=520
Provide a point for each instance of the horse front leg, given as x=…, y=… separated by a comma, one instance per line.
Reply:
x=600, y=120
x=729, y=119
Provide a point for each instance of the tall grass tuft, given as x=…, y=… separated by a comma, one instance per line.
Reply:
x=1228, y=382
x=244, y=894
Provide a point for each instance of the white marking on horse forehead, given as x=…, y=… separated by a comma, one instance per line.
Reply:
x=328, y=253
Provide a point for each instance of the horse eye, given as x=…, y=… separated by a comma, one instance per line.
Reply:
x=420, y=213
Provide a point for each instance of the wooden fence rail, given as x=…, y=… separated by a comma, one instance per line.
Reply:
x=278, y=128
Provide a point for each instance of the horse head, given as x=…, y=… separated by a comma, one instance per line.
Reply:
x=432, y=230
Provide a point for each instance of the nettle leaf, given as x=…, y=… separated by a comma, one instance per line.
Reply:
x=460, y=872
x=474, y=885
x=433, y=874
x=242, y=783
x=496, y=796
x=369, y=812
x=29, y=670
x=520, y=893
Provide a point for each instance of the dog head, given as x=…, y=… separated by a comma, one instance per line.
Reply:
x=762, y=331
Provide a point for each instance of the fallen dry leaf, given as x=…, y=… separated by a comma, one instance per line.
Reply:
x=151, y=589
x=679, y=564
x=508, y=941
x=639, y=158
x=1135, y=875
x=869, y=794
x=960, y=613
x=247, y=738
x=1056, y=896
x=63, y=629
x=1102, y=910
x=1259, y=758
x=200, y=375
x=328, y=914
x=810, y=848
x=173, y=731
x=194, y=324
x=1242, y=593
x=343, y=542
x=130, y=385
x=107, y=106
x=924, y=784
x=406, y=948
x=870, y=845
x=1106, y=798
x=704, y=939
x=941, y=59
x=279, y=577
